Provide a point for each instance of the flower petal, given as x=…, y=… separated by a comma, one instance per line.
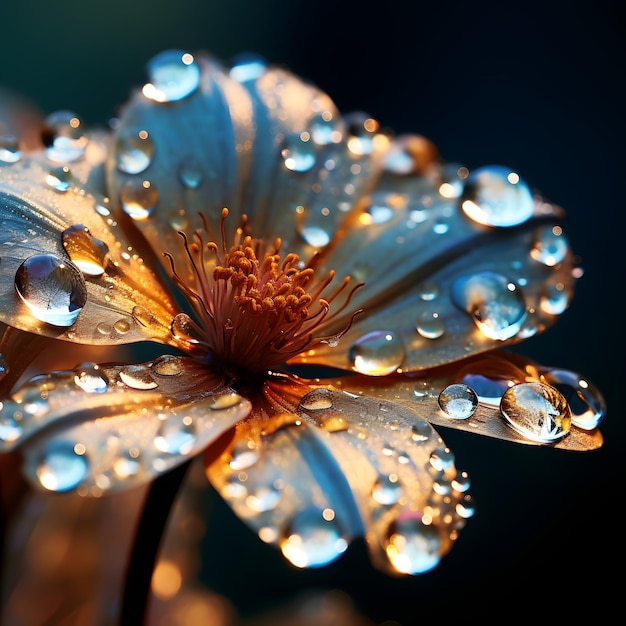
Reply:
x=67, y=269
x=99, y=429
x=342, y=466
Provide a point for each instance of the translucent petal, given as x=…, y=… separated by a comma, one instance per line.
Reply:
x=341, y=466
x=273, y=147
x=99, y=429
x=444, y=285
x=67, y=269
x=489, y=377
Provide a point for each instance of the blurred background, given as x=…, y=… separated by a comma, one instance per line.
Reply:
x=534, y=86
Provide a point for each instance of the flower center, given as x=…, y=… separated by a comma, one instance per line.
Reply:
x=256, y=309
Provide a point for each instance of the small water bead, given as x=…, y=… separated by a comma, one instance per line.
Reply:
x=90, y=378
x=496, y=196
x=412, y=547
x=85, y=251
x=377, y=353
x=387, y=490
x=430, y=325
x=247, y=67
x=458, y=401
x=139, y=198
x=224, y=400
x=466, y=507
x=298, y=153
x=173, y=75
x=554, y=299
x=126, y=465
x=60, y=178
x=122, y=327
x=586, y=403
x=377, y=213
x=461, y=482
x=190, y=174
x=52, y=288
x=550, y=246
x=316, y=400
x=9, y=149
x=185, y=329
x=63, y=137
x=243, y=455
x=495, y=303
x=362, y=131
x=429, y=291
x=61, y=467
x=313, y=539
x=326, y=129
x=537, y=411
x=134, y=151
x=176, y=436
x=421, y=431
x=442, y=458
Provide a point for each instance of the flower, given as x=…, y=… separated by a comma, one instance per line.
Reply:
x=233, y=216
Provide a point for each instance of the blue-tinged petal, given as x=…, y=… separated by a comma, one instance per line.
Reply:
x=99, y=429
x=340, y=466
x=66, y=268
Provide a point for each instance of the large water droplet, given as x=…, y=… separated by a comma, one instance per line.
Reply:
x=9, y=149
x=430, y=325
x=494, y=302
x=133, y=152
x=176, y=436
x=537, y=411
x=138, y=198
x=60, y=178
x=411, y=546
x=138, y=377
x=377, y=353
x=496, y=196
x=550, y=245
x=362, y=132
x=61, y=467
x=441, y=458
x=85, y=251
x=315, y=236
x=89, y=377
x=63, y=137
x=313, y=539
x=387, y=490
x=173, y=75
x=298, y=153
x=52, y=288
x=458, y=401
x=317, y=400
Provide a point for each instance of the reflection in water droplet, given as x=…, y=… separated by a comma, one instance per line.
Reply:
x=537, y=411
x=63, y=136
x=317, y=400
x=550, y=246
x=52, y=288
x=85, y=251
x=387, y=490
x=411, y=546
x=60, y=178
x=168, y=365
x=458, y=401
x=90, y=378
x=138, y=198
x=173, y=75
x=60, y=467
x=313, y=539
x=430, y=325
x=298, y=154
x=421, y=431
x=134, y=152
x=377, y=353
x=442, y=458
x=495, y=303
x=496, y=196
x=176, y=436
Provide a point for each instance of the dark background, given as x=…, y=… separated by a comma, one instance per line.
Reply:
x=538, y=87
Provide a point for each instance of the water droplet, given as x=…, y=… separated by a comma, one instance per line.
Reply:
x=173, y=75
x=412, y=547
x=243, y=455
x=387, y=490
x=326, y=129
x=186, y=330
x=11, y=413
x=429, y=291
x=298, y=154
x=430, y=325
x=247, y=67
x=263, y=499
x=224, y=400
x=587, y=405
x=122, y=327
x=496, y=196
x=466, y=507
x=126, y=465
x=138, y=198
x=488, y=390
x=362, y=131
x=60, y=467
x=421, y=431
x=458, y=401
x=312, y=539
x=442, y=458
x=554, y=299
x=377, y=353
x=377, y=214
x=537, y=411
x=52, y=288
x=461, y=482
x=60, y=178
x=90, y=378
x=9, y=149
x=316, y=400
x=315, y=236
x=495, y=303
x=85, y=251
x=190, y=174
x=176, y=436
x=134, y=152
x=550, y=246
x=138, y=377
x=168, y=365
x=63, y=137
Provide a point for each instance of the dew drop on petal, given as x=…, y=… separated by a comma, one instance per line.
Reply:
x=52, y=288
x=466, y=507
x=61, y=467
x=9, y=149
x=90, y=378
x=554, y=299
x=326, y=129
x=441, y=458
x=495, y=303
x=247, y=67
x=421, y=431
x=461, y=482
x=60, y=178
x=223, y=401
x=176, y=436
x=361, y=133
x=263, y=498
x=243, y=455
x=430, y=325
x=316, y=400
x=126, y=465
x=190, y=174
x=11, y=414
x=312, y=539
x=139, y=198
x=496, y=196
x=85, y=251
x=458, y=401
x=134, y=152
x=138, y=377
x=550, y=245
x=173, y=75
x=167, y=365
x=387, y=490
x=298, y=154
x=315, y=236
x=64, y=137
x=377, y=353
x=537, y=411
x=412, y=547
